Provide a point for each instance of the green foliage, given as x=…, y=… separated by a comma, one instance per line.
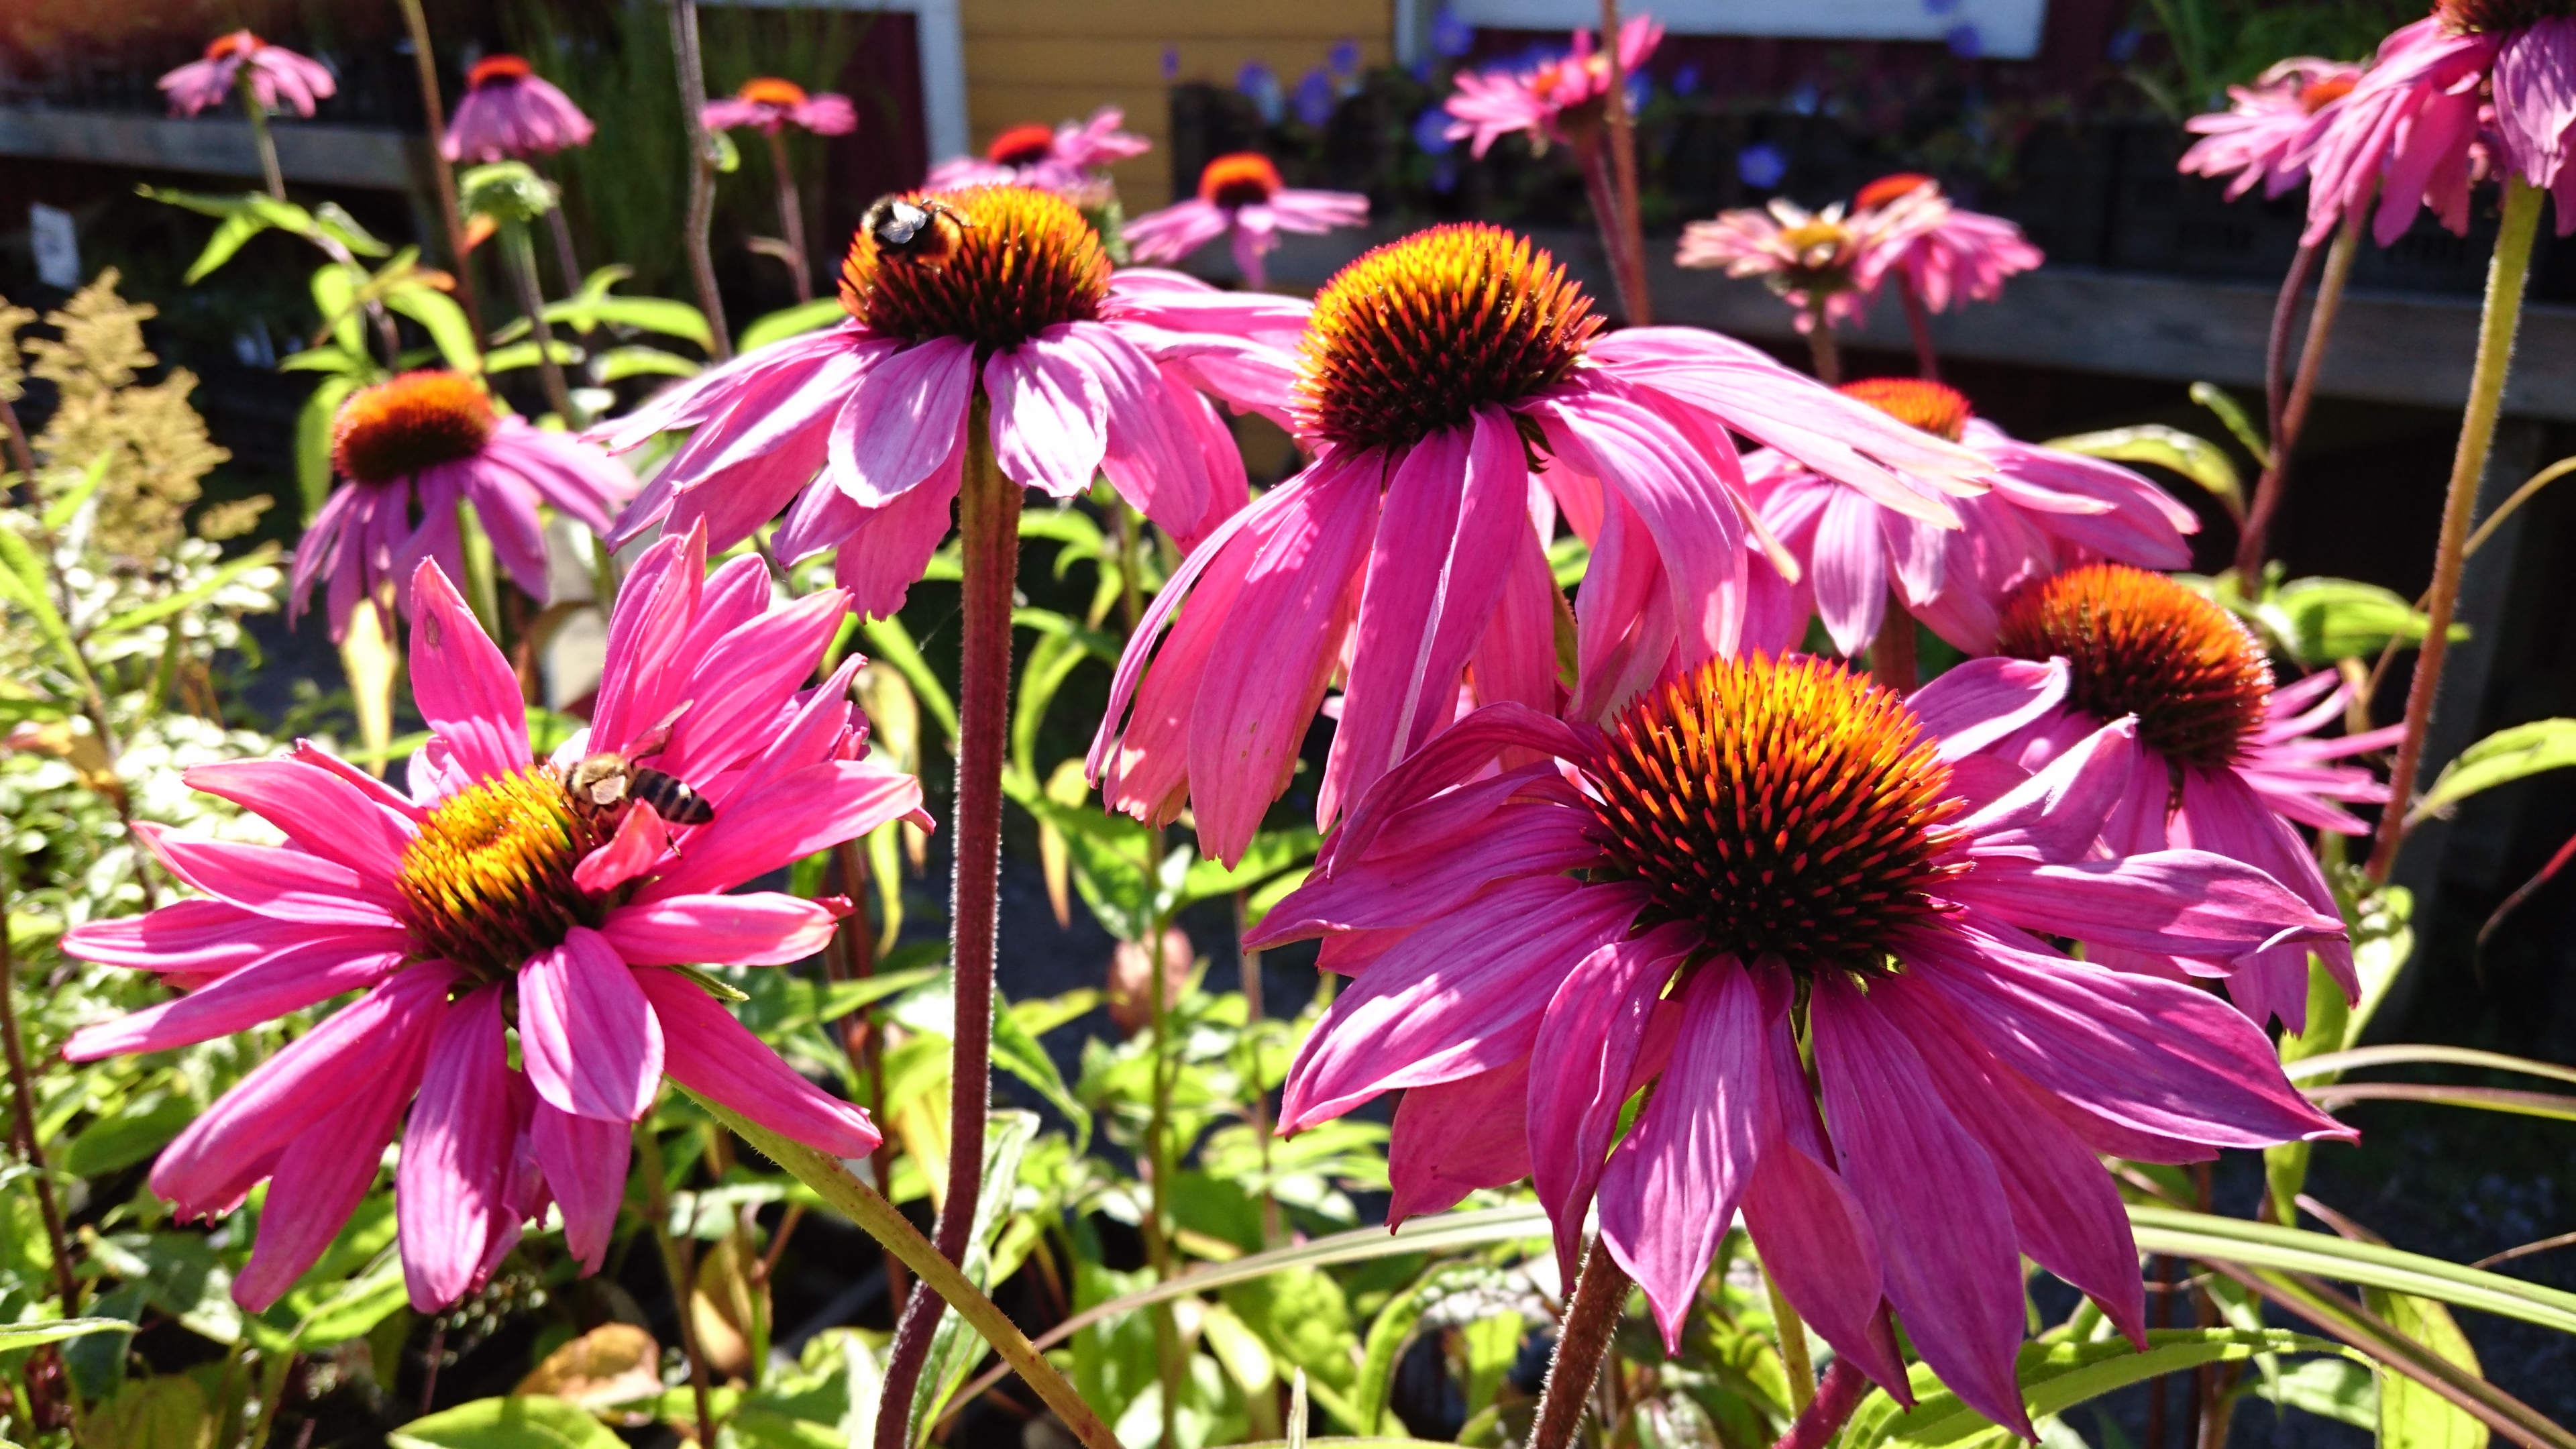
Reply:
x=2507, y=755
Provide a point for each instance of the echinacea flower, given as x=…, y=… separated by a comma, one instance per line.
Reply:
x=1437, y=370
x=770, y=103
x=2263, y=135
x=2044, y=510
x=1561, y=100
x=1241, y=195
x=1757, y=858
x=2410, y=131
x=492, y=896
x=274, y=71
x=414, y=450
x=1823, y=263
x=510, y=113
x=2227, y=763
x=1065, y=159
x=864, y=426
x=1949, y=252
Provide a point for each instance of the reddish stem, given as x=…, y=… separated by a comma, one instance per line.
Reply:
x=1600, y=1294
x=1837, y=1394
x=1918, y=320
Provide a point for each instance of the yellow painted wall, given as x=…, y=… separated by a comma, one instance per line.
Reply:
x=1048, y=60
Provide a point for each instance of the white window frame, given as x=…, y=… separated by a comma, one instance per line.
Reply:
x=2006, y=29
x=941, y=42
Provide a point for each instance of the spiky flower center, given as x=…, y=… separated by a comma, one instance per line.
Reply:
x=1024, y=145
x=496, y=70
x=2141, y=644
x=769, y=90
x=488, y=882
x=239, y=42
x=1245, y=178
x=1889, y=188
x=2315, y=96
x=1017, y=261
x=2487, y=17
x=1792, y=809
x=421, y=419
x=1818, y=243
x=1917, y=403
x=1408, y=339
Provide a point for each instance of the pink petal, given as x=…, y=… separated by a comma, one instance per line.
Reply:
x=590, y=1044
x=2057, y=814
x=1050, y=418
x=639, y=844
x=194, y=940
x=456, y=1153
x=746, y=679
x=895, y=427
x=1975, y=704
x=1817, y=1245
x=1452, y=1138
x=464, y=687
x=641, y=674
x=317, y=808
x=802, y=812
x=1451, y=756
x=290, y=980
x=1850, y=571
x=2171, y=902
x=710, y=1053
x=763, y=929
x=326, y=1172
x=1587, y=1046
x=888, y=549
x=287, y=885
x=584, y=1161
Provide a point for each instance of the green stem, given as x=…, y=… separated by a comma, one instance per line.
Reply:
x=267, y=144
x=1158, y=1145
x=22, y=1089
x=879, y=1219
x=522, y=252
x=1793, y=1345
x=425, y=57
x=702, y=174
x=680, y=1267
x=2506, y=276
x=2293, y=416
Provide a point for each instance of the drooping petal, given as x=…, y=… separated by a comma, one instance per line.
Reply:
x=1050, y=417
x=325, y=1172
x=710, y=1053
x=892, y=432
x=584, y=1161
x=762, y=929
x=1972, y=705
x=589, y=1041
x=288, y=980
x=1451, y=1138
x=456, y=1154
x=1850, y=571
x=1580, y=1065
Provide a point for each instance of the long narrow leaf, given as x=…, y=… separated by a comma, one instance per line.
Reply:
x=2492, y=1099
x=2212, y=1239
x=2408, y=1054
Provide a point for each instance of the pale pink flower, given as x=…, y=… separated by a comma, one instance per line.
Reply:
x=1814, y=260
x=2044, y=510
x=274, y=71
x=1949, y=251
x=770, y=103
x=413, y=450
x=863, y=427
x=1241, y=196
x=1437, y=370
x=510, y=113
x=489, y=896
x=1067, y=159
x=2409, y=132
x=2264, y=134
x=1531, y=946
x=1554, y=102
x=2225, y=762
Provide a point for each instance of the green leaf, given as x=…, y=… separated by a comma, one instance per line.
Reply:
x=335, y=296
x=313, y=437
x=616, y=364
x=524, y=354
x=334, y=221
x=891, y=643
x=804, y=317
x=1271, y=852
x=62, y=510
x=2231, y=413
x=2055, y=1377
x=230, y=236
x=954, y=1347
x=126, y=1136
x=2412, y=1416
x=1017, y=1050
x=1388, y=1333
x=2211, y=1238
x=162, y=608
x=644, y=314
x=530, y=1422
x=2331, y=1064
x=2327, y=619
x=2331, y=1388
x=55, y=1330
x=444, y=321
x=2502, y=757
x=25, y=581
x=2193, y=456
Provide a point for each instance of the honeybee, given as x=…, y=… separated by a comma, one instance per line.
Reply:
x=926, y=233
x=605, y=780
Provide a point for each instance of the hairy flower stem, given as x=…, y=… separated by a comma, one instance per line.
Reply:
x=1619, y=134
x=522, y=252
x=879, y=1219
x=1826, y=358
x=2505, y=278
x=988, y=521
x=426, y=58
x=23, y=1091
x=1835, y=1399
x=1792, y=1331
x=702, y=174
x=1918, y=321
x=259, y=136
x=2290, y=410
x=1591, y=1317
x=1891, y=654
x=791, y=218
x=1601, y=189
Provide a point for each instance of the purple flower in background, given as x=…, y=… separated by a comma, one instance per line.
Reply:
x=1345, y=57
x=2124, y=45
x=1942, y=7
x=1964, y=42
x=510, y=111
x=1686, y=79
x=1761, y=166
x=1431, y=132
x=1444, y=175
x=1171, y=62
x=1451, y=35
x=769, y=103
x=1261, y=83
x=1315, y=99
x=274, y=71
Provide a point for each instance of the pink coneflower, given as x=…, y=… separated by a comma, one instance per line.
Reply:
x=1659, y=898
x=2226, y=762
x=510, y=112
x=1065, y=159
x=1951, y=252
x=1823, y=263
x=414, y=450
x=2263, y=135
x=1559, y=101
x=1437, y=371
x=2411, y=132
x=274, y=71
x=1005, y=294
x=1241, y=195
x=2045, y=510
x=492, y=895
x=770, y=103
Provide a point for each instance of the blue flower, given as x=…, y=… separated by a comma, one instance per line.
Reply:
x=1346, y=57
x=1171, y=62
x=1941, y=7
x=1431, y=132
x=1444, y=175
x=1261, y=83
x=1451, y=35
x=2124, y=44
x=1761, y=165
x=1964, y=41
x=1315, y=97
x=1686, y=79
x=1802, y=101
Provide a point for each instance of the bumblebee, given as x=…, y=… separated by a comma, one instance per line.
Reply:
x=926, y=233
x=601, y=785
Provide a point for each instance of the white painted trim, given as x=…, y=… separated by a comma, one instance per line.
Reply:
x=2006, y=29
x=940, y=38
